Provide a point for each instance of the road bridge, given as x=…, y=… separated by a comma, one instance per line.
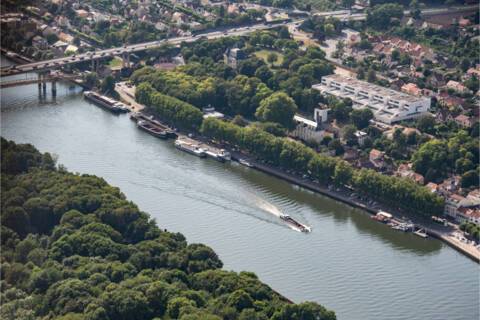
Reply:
x=96, y=55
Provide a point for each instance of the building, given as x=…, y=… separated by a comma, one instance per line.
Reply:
x=311, y=130
x=405, y=171
x=464, y=121
x=387, y=105
x=456, y=86
x=412, y=88
x=231, y=57
x=376, y=158
x=462, y=209
x=361, y=137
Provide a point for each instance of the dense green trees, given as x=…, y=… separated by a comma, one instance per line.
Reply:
x=399, y=192
x=381, y=16
x=437, y=158
x=98, y=257
x=279, y=108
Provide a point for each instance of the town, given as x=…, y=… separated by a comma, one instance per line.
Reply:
x=375, y=104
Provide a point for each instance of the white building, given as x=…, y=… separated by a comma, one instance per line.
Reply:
x=387, y=105
x=311, y=130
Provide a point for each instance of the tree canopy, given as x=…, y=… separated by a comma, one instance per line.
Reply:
x=73, y=247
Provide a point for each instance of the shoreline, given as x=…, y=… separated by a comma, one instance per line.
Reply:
x=468, y=251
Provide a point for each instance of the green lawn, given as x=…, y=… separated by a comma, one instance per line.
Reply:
x=263, y=54
x=116, y=62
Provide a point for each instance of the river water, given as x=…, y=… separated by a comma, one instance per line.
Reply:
x=349, y=263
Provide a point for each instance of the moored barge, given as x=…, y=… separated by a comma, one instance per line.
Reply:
x=105, y=102
x=190, y=148
x=151, y=129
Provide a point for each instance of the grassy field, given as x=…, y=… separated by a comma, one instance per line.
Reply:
x=116, y=62
x=263, y=54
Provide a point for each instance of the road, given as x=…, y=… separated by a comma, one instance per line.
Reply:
x=100, y=54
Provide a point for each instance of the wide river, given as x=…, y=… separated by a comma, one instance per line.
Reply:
x=349, y=263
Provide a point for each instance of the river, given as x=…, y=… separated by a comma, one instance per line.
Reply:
x=349, y=263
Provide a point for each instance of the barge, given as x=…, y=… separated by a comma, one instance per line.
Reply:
x=137, y=116
x=190, y=148
x=105, y=102
x=151, y=129
x=221, y=155
x=295, y=223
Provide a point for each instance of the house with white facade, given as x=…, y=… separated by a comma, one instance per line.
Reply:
x=388, y=106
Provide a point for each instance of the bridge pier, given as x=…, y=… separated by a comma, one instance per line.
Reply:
x=126, y=60
x=54, y=88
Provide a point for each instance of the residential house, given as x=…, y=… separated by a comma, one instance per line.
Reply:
x=433, y=187
x=405, y=171
x=82, y=13
x=411, y=88
x=468, y=215
x=376, y=158
x=449, y=101
x=65, y=37
x=456, y=86
x=464, y=121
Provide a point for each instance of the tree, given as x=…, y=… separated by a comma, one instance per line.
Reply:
x=361, y=117
x=415, y=9
x=432, y=156
x=348, y=3
x=381, y=15
x=349, y=134
x=272, y=57
x=371, y=75
x=91, y=79
x=340, y=110
x=470, y=178
x=108, y=84
x=278, y=107
x=360, y=73
x=336, y=146
x=426, y=124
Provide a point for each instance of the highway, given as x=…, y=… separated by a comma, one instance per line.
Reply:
x=100, y=54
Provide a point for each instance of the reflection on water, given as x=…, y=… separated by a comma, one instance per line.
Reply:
x=350, y=263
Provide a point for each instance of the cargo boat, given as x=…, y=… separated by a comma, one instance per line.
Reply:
x=294, y=223
x=105, y=102
x=153, y=130
x=190, y=148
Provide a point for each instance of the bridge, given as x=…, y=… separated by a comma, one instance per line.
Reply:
x=124, y=51
x=40, y=80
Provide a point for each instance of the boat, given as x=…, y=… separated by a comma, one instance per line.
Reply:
x=382, y=216
x=154, y=131
x=245, y=163
x=190, y=148
x=294, y=223
x=220, y=155
x=136, y=116
x=105, y=102
x=421, y=233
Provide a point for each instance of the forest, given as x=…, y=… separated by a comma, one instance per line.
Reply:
x=73, y=247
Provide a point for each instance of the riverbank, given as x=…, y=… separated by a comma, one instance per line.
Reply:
x=340, y=194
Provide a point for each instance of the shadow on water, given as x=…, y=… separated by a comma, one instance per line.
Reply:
x=341, y=213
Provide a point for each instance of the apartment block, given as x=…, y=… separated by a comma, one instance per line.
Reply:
x=388, y=106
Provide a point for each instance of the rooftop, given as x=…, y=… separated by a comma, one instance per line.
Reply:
x=366, y=86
